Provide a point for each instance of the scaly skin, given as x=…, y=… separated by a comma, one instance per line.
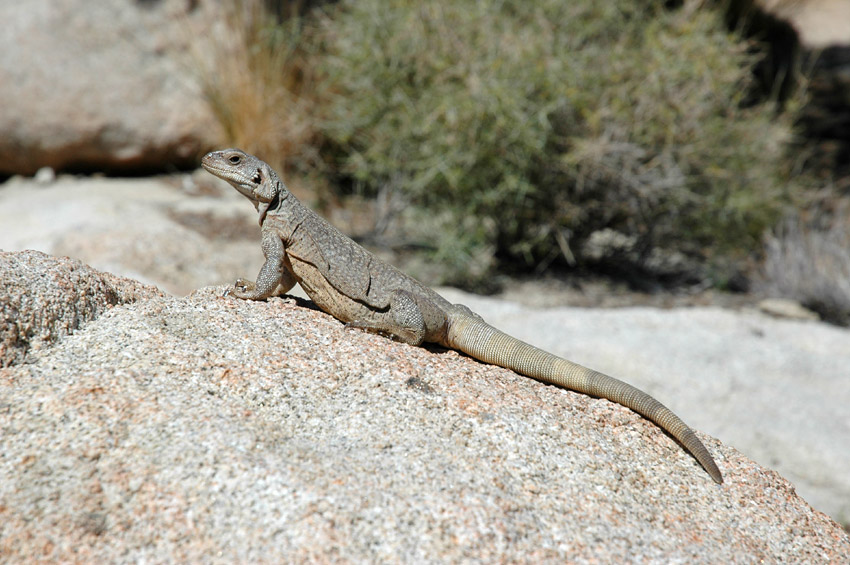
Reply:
x=356, y=287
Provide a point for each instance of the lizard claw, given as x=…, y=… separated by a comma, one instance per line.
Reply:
x=241, y=285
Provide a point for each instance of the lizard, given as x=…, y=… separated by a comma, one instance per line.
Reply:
x=350, y=283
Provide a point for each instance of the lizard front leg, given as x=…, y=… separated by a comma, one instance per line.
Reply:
x=275, y=276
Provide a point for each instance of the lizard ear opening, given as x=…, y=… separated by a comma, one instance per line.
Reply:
x=258, y=178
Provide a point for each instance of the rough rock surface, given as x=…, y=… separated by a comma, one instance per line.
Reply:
x=99, y=85
x=43, y=298
x=211, y=429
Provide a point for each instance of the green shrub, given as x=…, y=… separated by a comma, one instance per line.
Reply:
x=549, y=121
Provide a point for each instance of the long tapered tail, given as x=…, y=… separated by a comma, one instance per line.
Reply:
x=484, y=342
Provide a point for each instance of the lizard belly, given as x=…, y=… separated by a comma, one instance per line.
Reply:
x=326, y=296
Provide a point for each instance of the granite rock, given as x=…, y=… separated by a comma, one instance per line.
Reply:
x=207, y=428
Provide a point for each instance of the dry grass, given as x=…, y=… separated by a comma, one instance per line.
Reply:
x=810, y=262
x=257, y=82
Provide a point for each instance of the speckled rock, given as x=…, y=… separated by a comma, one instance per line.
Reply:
x=43, y=298
x=212, y=429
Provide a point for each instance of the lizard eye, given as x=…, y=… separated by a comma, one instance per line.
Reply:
x=234, y=159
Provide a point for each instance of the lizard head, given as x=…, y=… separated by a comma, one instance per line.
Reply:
x=253, y=178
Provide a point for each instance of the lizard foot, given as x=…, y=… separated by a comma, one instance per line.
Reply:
x=242, y=288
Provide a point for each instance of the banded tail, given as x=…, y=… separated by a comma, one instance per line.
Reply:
x=484, y=342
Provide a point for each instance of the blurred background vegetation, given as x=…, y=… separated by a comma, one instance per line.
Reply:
x=634, y=138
